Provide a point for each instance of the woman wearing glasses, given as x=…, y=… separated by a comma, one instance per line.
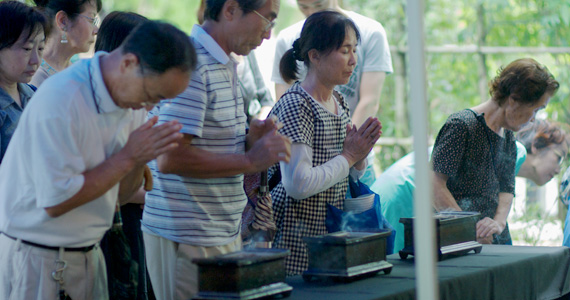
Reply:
x=474, y=153
x=74, y=26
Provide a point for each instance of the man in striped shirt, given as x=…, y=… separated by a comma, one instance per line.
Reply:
x=195, y=207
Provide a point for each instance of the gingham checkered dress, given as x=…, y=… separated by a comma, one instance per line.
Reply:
x=309, y=123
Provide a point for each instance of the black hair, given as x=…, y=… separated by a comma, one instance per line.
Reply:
x=160, y=46
x=525, y=80
x=214, y=7
x=115, y=28
x=18, y=19
x=71, y=7
x=323, y=31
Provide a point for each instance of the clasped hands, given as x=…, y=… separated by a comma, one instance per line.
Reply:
x=359, y=141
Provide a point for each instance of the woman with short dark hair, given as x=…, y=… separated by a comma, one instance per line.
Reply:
x=325, y=146
x=474, y=153
x=22, y=40
x=75, y=24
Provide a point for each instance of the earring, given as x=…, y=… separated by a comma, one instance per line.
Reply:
x=64, y=37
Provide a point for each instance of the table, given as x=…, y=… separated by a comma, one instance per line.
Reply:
x=498, y=272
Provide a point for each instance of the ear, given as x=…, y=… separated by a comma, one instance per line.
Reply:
x=62, y=21
x=230, y=9
x=314, y=56
x=129, y=63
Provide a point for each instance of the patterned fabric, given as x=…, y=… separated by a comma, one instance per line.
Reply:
x=309, y=123
x=373, y=54
x=202, y=211
x=480, y=164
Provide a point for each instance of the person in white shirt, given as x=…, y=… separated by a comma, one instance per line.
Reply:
x=326, y=146
x=78, y=148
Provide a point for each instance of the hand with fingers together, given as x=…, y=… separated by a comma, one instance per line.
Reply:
x=271, y=148
x=359, y=142
x=148, y=141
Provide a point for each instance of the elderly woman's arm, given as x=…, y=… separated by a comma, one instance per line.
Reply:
x=301, y=180
x=443, y=200
x=487, y=226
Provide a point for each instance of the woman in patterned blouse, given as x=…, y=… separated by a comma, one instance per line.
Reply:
x=325, y=146
x=474, y=153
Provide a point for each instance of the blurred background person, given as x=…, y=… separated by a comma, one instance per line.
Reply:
x=325, y=147
x=22, y=41
x=114, y=29
x=474, y=153
x=374, y=61
x=74, y=26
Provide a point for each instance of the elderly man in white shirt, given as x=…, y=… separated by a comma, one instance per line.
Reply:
x=80, y=145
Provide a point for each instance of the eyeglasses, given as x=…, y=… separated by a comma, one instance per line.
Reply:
x=270, y=24
x=94, y=21
x=148, y=101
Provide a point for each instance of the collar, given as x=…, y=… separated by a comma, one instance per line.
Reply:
x=25, y=94
x=97, y=85
x=204, y=39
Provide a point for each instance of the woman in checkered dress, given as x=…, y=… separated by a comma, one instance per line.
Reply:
x=325, y=146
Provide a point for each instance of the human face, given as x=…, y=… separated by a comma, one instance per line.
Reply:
x=518, y=114
x=19, y=62
x=309, y=7
x=81, y=34
x=252, y=28
x=335, y=68
x=150, y=89
x=550, y=159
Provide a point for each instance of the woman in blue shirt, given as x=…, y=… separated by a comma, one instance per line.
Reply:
x=22, y=41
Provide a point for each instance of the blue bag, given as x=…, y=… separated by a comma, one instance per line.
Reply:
x=371, y=219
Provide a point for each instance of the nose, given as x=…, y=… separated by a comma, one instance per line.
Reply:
x=35, y=58
x=267, y=34
x=95, y=30
x=353, y=58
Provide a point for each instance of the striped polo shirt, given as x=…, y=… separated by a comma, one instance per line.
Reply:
x=202, y=212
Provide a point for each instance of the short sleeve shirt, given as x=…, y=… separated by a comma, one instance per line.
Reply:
x=60, y=136
x=198, y=211
x=480, y=163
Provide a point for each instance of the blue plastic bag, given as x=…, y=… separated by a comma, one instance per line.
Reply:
x=371, y=219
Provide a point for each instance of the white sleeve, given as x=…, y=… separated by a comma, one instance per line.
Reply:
x=57, y=161
x=357, y=174
x=280, y=48
x=301, y=180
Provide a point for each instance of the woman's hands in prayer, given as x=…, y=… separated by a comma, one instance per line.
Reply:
x=359, y=142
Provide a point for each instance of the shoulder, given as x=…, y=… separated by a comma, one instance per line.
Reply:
x=365, y=24
x=461, y=118
x=292, y=31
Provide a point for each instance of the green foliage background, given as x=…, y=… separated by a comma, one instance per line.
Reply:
x=452, y=78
